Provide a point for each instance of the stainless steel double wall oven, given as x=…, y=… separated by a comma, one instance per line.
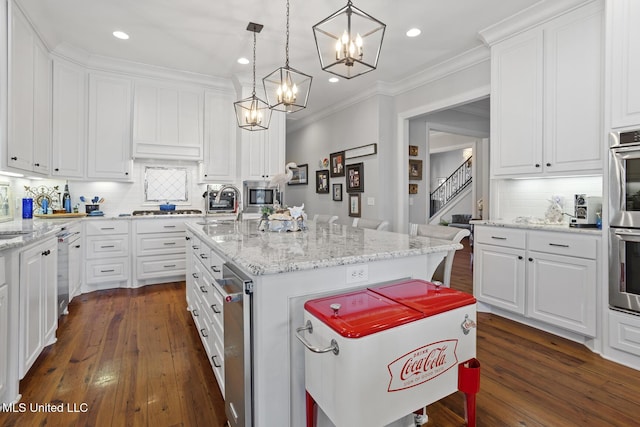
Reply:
x=624, y=233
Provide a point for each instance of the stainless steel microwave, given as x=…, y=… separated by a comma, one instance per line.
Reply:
x=258, y=194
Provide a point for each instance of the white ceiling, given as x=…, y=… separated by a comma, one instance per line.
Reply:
x=208, y=37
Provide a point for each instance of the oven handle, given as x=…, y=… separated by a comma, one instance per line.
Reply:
x=628, y=235
x=308, y=327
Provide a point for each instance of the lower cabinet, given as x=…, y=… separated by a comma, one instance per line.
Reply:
x=4, y=332
x=38, y=301
x=107, y=253
x=159, y=249
x=624, y=332
x=542, y=275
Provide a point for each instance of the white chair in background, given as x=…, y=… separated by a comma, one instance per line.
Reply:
x=325, y=219
x=374, y=224
x=455, y=235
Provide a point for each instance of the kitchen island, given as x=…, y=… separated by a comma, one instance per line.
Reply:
x=287, y=269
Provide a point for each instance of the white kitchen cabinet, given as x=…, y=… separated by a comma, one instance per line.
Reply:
x=160, y=250
x=29, y=141
x=38, y=301
x=625, y=63
x=220, y=134
x=624, y=332
x=109, y=139
x=546, y=101
x=107, y=254
x=4, y=332
x=167, y=121
x=542, y=275
x=75, y=261
x=263, y=152
x=69, y=119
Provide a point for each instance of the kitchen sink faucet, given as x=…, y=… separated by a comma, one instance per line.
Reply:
x=238, y=198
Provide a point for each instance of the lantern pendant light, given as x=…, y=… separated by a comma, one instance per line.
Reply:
x=253, y=113
x=286, y=88
x=349, y=42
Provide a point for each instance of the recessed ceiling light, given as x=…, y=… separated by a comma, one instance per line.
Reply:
x=414, y=32
x=243, y=61
x=121, y=35
x=334, y=80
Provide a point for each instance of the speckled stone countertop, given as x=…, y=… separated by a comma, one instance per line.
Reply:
x=18, y=233
x=320, y=246
x=535, y=226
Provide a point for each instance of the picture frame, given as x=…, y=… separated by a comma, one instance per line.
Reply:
x=363, y=150
x=415, y=170
x=337, y=192
x=300, y=175
x=354, y=205
x=336, y=164
x=355, y=178
x=413, y=150
x=322, y=181
x=413, y=188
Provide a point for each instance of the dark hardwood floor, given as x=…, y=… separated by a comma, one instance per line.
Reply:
x=135, y=359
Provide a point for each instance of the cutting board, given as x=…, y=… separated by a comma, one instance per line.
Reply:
x=61, y=215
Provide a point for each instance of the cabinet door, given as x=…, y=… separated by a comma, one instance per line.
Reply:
x=69, y=120
x=561, y=290
x=573, y=135
x=31, y=307
x=21, y=90
x=41, y=110
x=276, y=145
x=625, y=70
x=499, y=277
x=49, y=291
x=75, y=268
x=263, y=151
x=516, y=105
x=220, y=138
x=109, y=127
x=4, y=335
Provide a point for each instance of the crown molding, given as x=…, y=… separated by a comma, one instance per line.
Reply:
x=533, y=15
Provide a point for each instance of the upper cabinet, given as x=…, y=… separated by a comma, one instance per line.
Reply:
x=109, y=140
x=546, y=97
x=29, y=137
x=263, y=152
x=219, y=138
x=625, y=63
x=167, y=121
x=69, y=119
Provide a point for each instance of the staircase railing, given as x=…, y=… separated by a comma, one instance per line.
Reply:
x=451, y=187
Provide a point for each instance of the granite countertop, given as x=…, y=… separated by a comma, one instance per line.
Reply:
x=537, y=226
x=320, y=246
x=18, y=233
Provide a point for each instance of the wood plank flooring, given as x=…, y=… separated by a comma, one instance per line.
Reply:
x=135, y=359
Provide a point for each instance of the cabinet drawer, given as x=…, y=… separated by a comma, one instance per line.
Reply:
x=217, y=362
x=160, y=266
x=107, y=246
x=159, y=226
x=158, y=244
x=108, y=270
x=563, y=244
x=500, y=236
x=215, y=265
x=107, y=227
x=624, y=332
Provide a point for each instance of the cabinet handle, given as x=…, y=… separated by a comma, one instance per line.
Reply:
x=107, y=228
x=169, y=226
x=537, y=165
x=77, y=246
x=203, y=289
x=126, y=173
x=169, y=243
x=195, y=276
x=195, y=312
x=187, y=238
x=558, y=245
x=530, y=259
x=498, y=238
x=57, y=169
x=107, y=246
x=203, y=256
x=107, y=271
x=169, y=266
x=14, y=158
x=548, y=164
x=215, y=269
x=46, y=253
x=36, y=165
x=216, y=364
x=519, y=256
x=204, y=333
x=195, y=247
x=215, y=308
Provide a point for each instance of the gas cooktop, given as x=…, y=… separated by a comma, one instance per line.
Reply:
x=174, y=212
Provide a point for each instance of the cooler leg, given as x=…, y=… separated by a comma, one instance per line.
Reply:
x=310, y=404
x=469, y=384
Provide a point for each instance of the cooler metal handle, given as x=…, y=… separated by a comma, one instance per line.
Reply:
x=309, y=327
x=467, y=325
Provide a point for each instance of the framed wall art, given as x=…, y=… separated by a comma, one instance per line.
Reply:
x=415, y=169
x=355, y=178
x=364, y=150
x=336, y=164
x=337, y=192
x=322, y=181
x=300, y=175
x=413, y=150
x=354, y=205
x=413, y=188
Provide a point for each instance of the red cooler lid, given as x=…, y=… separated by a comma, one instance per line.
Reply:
x=361, y=313
x=424, y=297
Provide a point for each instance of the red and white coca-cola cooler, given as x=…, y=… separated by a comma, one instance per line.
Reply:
x=378, y=354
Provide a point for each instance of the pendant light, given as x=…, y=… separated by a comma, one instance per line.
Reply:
x=252, y=113
x=287, y=89
x=349, y=42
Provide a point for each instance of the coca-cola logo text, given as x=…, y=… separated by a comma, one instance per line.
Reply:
x=422, y=364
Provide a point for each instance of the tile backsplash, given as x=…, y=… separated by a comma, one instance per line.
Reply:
x=530, y=197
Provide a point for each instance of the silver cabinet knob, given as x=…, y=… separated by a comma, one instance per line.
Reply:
x=335, y=307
